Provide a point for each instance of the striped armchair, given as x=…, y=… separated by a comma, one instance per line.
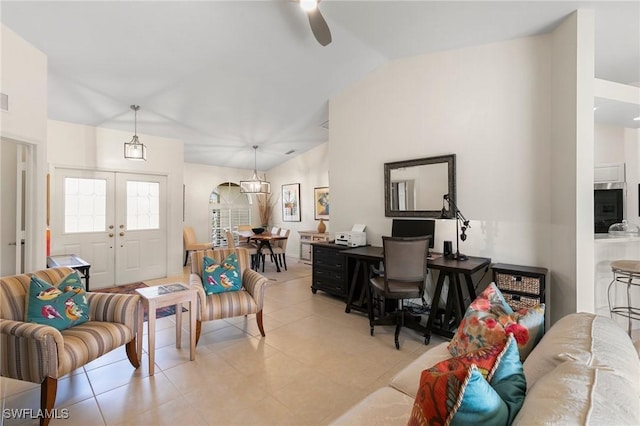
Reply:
x=42, y=354
x=247, y=301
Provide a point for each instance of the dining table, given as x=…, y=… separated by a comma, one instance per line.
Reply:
x=264, y=241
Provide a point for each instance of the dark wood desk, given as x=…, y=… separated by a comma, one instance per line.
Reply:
x=363, y=256
x=448, y=268
x=456, y=307
x=71, y=261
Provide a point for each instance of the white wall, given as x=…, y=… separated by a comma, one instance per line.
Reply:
x=572, y=150
x=499, y=108
x=608, y=144
x=24, y=80
x=488, y=105
x=309, y=169
x=85, y=147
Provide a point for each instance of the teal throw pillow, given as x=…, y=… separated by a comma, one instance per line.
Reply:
x=508, y=378
x=221, y=277
x=61, y=306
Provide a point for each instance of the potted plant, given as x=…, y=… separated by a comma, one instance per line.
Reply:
x=265, y=209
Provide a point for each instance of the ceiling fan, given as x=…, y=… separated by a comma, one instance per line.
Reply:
x=319, y=26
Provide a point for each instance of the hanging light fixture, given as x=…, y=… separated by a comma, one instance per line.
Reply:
x=255, y=185
x=134, y=149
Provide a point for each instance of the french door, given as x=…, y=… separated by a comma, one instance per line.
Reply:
x=114, y=221
x=15, y=184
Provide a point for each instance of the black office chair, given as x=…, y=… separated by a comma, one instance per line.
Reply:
x=405, y=273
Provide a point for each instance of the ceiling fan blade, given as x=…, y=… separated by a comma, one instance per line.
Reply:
x=319, y=27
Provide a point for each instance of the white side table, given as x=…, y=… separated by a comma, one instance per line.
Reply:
x=155, y=297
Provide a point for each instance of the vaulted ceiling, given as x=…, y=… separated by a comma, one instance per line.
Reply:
x=225, y=75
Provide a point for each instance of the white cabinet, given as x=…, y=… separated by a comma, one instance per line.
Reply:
x=308, y=237
x=610, y=172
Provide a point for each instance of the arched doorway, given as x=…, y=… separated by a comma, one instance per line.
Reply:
x=229, y=208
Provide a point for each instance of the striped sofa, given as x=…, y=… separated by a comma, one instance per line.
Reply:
x=42, y=354
x=247, y=301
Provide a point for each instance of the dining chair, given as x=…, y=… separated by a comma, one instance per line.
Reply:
x=251, y=248
x=405, y=273
x=280, y=248
x=275, y=230
x=190, y=243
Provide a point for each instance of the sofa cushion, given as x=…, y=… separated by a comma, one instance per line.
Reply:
x=575, y=393
x=488, y=322
x=386, y=406
x=407, y=380
x=62, y=306
x=587, y=338
x=90, y=340
x=221, y=277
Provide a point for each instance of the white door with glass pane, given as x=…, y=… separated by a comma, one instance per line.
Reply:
x=114, y=221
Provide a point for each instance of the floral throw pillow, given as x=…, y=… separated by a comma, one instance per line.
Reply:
x=486, y=386
x=489, y=320
x=221, y=277
x=62, y=306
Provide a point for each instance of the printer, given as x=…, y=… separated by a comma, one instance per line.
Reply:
x=354, y=238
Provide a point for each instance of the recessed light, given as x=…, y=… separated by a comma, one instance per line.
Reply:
x=637, y=118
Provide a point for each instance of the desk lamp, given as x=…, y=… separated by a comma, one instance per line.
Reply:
x=459, y=218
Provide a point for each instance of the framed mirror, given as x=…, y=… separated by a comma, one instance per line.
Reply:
x=415, y=188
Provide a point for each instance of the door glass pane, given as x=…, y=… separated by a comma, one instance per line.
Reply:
x=85, y=205
x=143, y=205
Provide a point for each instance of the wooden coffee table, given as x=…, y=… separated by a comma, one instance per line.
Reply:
x=155, y=297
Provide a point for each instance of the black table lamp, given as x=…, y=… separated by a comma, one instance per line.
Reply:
x=459, y=218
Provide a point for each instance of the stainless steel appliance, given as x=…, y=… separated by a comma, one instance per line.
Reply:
x=609, y=201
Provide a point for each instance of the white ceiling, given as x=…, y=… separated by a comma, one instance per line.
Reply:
x=225, y=75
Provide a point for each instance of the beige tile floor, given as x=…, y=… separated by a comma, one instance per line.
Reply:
x=314, y=363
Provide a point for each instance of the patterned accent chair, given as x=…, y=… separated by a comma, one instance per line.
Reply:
x=247, y=301
x=42, y=354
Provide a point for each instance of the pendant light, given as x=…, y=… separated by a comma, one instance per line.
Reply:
x=255, y=185
x=134, y=149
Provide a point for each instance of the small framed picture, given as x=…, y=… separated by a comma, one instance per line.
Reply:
x=321, y=203
x=291, y=202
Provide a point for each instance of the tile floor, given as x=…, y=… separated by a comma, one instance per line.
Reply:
x=314, y=363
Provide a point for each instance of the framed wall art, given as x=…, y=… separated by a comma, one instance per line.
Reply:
x=321, y=203
x=291, y=202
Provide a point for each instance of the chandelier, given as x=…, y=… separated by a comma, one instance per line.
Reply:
x=134, y=149
x=255, y=185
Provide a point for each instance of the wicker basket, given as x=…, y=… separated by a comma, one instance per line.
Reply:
x=518, y=302
x=521, y=284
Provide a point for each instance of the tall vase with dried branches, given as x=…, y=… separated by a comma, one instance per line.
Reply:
x=265, y=208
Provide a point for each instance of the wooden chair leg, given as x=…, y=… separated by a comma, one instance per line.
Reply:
x=198, y=330
x=284, y=261
x=48, y=390
x=186, y=257
x=259, y=320
x=132, y=353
